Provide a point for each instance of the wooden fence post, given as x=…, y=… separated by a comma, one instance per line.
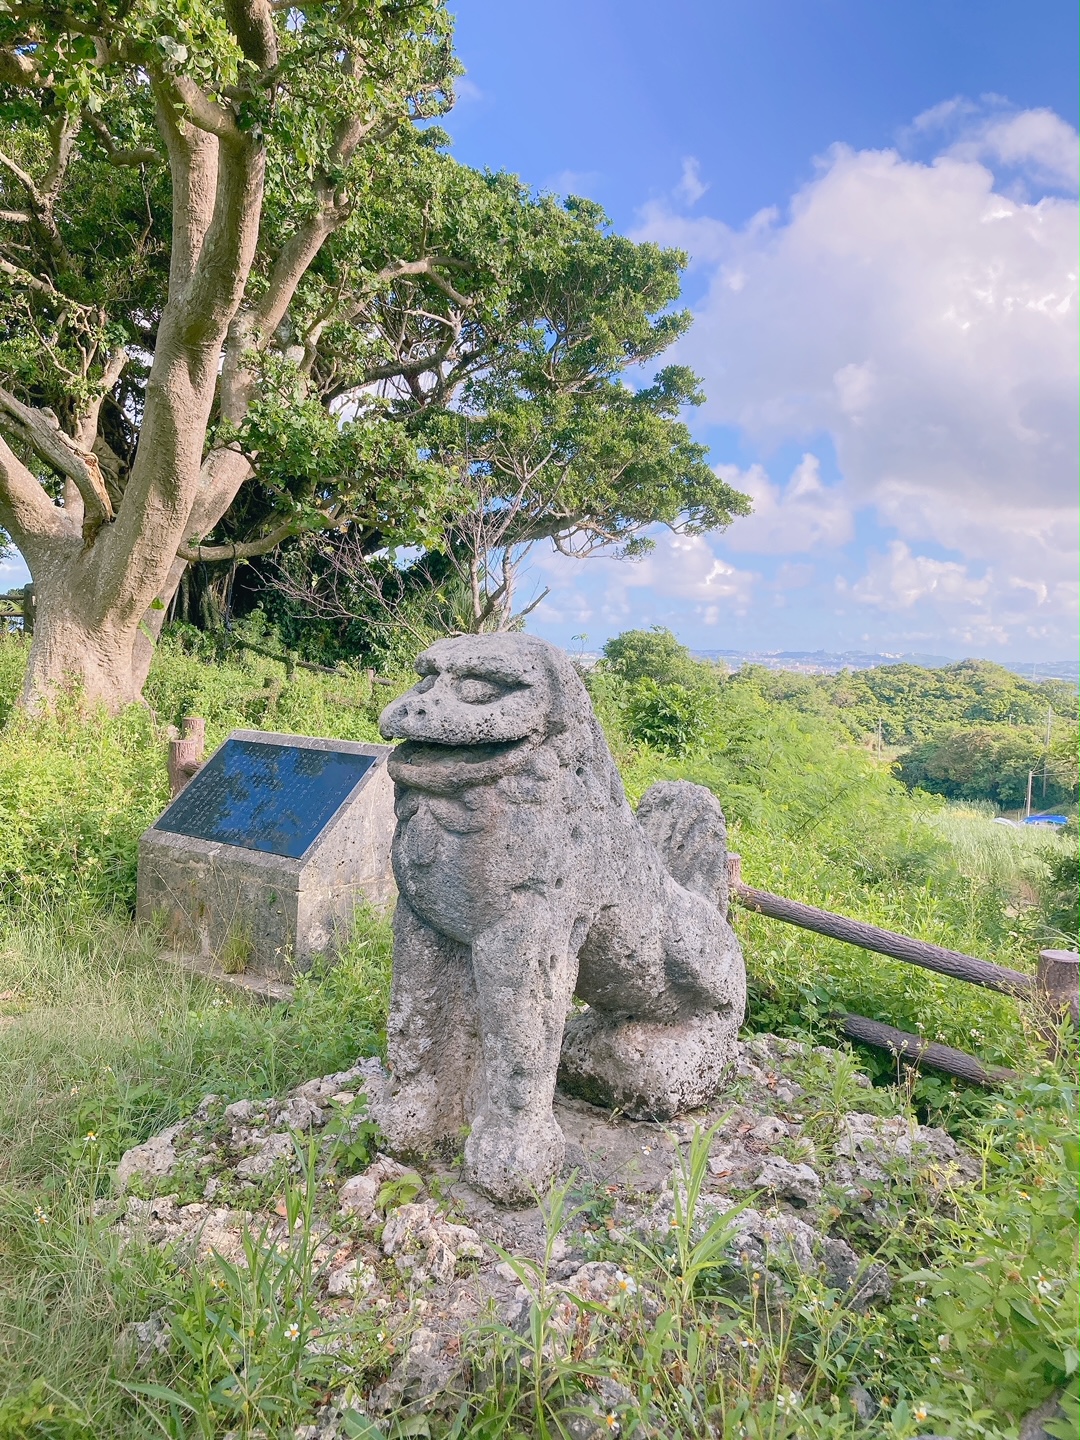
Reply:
x=186, y=755
x=1056, y=985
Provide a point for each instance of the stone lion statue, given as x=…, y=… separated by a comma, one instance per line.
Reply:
x=525, y=881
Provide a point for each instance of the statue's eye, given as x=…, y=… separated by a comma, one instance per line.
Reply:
x=424, y=685
x=478, y=692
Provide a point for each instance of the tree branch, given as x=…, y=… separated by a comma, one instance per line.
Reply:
x=140, y=155
x=26, y=512
x=207, y=114
x=49, y=443
x=248, y=549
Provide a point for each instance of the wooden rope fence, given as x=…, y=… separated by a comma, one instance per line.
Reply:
x=1052, y=989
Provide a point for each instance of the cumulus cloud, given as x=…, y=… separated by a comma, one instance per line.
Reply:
x=800, y=516
x=684, y=569
x=897, y=579
x=926, y=321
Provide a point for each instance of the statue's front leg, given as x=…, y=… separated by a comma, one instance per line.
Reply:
x=524, y=973
x=431, y=1039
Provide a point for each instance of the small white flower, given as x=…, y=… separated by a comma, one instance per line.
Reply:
x=943, y=1342
x=292, y=1332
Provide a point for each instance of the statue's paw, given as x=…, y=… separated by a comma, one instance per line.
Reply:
x=648, y=1071
x=514, y=1163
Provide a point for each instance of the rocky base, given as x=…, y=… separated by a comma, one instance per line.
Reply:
x=430, y=1258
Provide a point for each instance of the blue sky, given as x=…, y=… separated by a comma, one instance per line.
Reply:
x=880, y=205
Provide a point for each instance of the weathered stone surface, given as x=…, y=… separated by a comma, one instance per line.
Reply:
x=525, y=880
x=789, y=1181
x=156, y=1157
x=215, y=898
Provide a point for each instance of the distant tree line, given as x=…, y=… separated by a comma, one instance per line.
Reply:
x=970, y=731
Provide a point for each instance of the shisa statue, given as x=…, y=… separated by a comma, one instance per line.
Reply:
x=528, y=884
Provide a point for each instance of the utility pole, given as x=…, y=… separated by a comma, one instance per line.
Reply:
x=1027, y=807
x=1046, y=751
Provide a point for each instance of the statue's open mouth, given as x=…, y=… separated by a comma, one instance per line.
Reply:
x=430, y=752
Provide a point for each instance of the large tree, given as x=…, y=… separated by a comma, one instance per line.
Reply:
x=507, y=419
x=249, y=296
x=170, y=174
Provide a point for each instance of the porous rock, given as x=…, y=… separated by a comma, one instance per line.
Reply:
x=874, y=1148
x=154, y=1158
x=797, y=1183
x=526, y=880
x=425, y=1245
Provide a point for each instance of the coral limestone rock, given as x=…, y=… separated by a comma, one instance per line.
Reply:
x=526, y=880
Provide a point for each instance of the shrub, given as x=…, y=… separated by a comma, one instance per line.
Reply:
x=667, y=717
x=656, y=655
x=1061, y=890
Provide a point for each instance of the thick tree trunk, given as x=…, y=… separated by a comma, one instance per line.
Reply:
x=99, y=660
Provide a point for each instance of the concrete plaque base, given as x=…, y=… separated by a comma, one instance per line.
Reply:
x=251, y=911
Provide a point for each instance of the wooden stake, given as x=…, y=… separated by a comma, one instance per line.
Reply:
x=1056, y=985
x=186, y=755
x=916, y=1050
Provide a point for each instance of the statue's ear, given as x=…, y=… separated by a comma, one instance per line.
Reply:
x=568, y=700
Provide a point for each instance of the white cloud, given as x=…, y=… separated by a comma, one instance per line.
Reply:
x=13, y=572
x=803, y=515
x=681, y=568
x=1036, y=140
x=926, y=321
x=467, y=91
x=691, y=187
x=572, y=182
x=897, y=579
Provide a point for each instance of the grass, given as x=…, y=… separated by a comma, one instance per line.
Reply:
x=101, y=1046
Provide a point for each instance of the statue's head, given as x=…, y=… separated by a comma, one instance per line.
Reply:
x=481, y=701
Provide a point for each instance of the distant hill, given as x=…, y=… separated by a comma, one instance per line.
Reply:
x=820, y=662
x=829, y=662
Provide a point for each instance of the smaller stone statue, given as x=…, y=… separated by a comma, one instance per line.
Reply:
x=525, y=881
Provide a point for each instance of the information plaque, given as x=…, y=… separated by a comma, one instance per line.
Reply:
x=261, y=795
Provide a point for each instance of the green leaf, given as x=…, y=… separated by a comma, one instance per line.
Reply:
x=173, y=49
x=359, y=1427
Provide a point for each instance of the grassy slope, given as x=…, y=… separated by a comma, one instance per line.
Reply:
x=98, y=1041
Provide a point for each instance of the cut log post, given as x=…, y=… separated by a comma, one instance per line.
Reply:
x=1056, y=986
x=885, y=942
x=917, y=1051
x=186, y=755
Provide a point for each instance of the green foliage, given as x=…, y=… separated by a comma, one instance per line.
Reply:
x=670, y=718
x=985, y=763
x=1005, y=1285
x=656, y=655
x=972, y=730
x=1061, y=889
x=74, y=798
x=913, y=703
